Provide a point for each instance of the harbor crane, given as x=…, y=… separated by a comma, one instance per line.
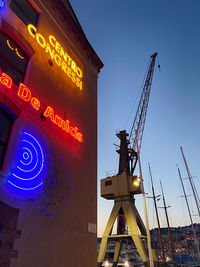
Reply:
x=123, y=186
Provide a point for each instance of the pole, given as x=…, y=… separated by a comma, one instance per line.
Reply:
x=169, y=231
x=146, y=216
x=186, y=200
x=158, y=221
x=191, y=182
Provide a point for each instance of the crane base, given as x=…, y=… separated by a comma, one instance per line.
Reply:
x=134, y=223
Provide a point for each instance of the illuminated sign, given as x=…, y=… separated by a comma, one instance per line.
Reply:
x=2, y=3
x=25, y=94
x=26, y=174
x=6, y=80
x=16, y=50
x=59, y=55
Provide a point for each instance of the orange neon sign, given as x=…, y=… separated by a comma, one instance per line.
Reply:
x=25, y=94
x=58, y=54
x=6, y=80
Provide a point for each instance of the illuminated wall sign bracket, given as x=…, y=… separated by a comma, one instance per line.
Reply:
x=58, y=54
x=25, y=94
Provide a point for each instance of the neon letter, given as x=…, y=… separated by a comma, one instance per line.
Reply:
x=73, y=76
x=67, y=126
x=59, y=121
x=57, y=59
x=63, y=54
x=49, y=113
x=6, y=80
x=81, y=85
x=73, y=66
x=79, y=137
x=69, y=72
x=24, y=92
x=69, y=60
x=48, y=50
x=35, y=103
x=51, y=37
x=64, y=66
x=40, y=38
x=32, y=29
x=71, y=131
x=79, y=72
x=58, y=47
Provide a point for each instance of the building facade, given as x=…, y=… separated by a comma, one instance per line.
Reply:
x=48, y=136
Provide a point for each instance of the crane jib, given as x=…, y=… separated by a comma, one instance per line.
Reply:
x=129, y=147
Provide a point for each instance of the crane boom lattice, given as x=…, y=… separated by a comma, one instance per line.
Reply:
x=136, y=133
x=129, y=148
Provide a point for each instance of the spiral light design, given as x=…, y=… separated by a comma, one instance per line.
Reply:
x=27, y=172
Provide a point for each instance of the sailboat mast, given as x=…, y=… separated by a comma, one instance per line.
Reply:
x=146, y=216
x=191, y=182
x=169, y=230
x=186, y=200
x=156, y=209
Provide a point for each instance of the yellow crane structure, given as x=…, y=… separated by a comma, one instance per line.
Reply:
x=125, y=185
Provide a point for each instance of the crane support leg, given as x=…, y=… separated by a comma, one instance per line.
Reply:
x=128, y=208
x=139, y=221
x=130, y=212
x=118, y=248
x=107, y=232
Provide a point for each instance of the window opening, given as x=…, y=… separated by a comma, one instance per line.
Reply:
x=13, y=60
x=6, y=122
x=24, y=10
x=108, y=183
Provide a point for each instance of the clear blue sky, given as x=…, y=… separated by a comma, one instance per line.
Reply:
x=124, y=34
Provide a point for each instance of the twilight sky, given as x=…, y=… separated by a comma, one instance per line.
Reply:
x=124, y=34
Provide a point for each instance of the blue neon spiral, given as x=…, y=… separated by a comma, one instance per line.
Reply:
x=27, y=172
x=2, y=3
